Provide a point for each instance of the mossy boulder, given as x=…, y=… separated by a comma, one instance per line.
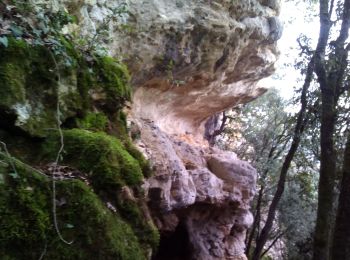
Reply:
x=144, y=228
x=104, y=157
x=112, y=83
x=88, y=95
x=33, y=80
x=29, y=89
x=111, y=166
x=26, y=219
x=93, y=122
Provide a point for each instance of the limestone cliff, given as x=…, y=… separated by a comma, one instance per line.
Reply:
x=197, y=57
x=191, y=60
x=188, y=61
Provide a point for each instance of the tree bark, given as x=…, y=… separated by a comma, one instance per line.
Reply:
x=211, y=137
x=256, y=222
x=330, y=80
x=273, y=155
x=341, y=238
x=326, y=181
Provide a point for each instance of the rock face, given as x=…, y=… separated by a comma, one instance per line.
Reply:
x=205, y=189
x=190, y=60
x=197, y=57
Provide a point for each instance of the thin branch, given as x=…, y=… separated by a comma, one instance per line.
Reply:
x=298, y=130
x=220, y=130
x=273, y=243
x=58, y=112
x=9, y=157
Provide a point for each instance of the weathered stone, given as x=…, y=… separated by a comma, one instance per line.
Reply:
x=234, y=171
x=190, y=54
x=218, y=233
x=189, y=61
x=208, y=189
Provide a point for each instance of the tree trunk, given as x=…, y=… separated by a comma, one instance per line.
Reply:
x=261, y=241
x=326, y=181
x=299, y=128
x=341, y=238
x=330, y=83
x=256, y=222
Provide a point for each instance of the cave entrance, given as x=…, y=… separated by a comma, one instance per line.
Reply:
x=174, y=245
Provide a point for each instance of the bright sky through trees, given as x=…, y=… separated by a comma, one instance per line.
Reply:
x=297, y=18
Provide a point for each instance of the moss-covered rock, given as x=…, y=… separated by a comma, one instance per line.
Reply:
x=93, y=122
x=134, y=152
x=33, y=80
x=29, y=89
x=112, y=79
x=26, y=216
x=104, y=157
x=90, y=92
x=110, y=166
x=144, y=228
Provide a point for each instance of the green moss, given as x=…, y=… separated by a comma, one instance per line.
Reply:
x=29, y=89
x=113, y=79
x=12, y=73
x=94, y=122
x=105, y=234
x=12, y=78
x=103, y=156
x=111, y=165
x=143, y=228
x=29, y=86
x=25, y=209
x=144, y=164
x=103, y=76
x=85, y=81
x=85, y=77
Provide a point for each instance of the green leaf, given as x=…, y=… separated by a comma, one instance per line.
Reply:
x=4, y=41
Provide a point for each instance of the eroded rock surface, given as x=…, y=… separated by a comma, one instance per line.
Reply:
x=206, y=189
x=190, y=60
x=196, y=58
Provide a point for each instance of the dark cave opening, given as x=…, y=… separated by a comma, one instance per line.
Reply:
x=174, y=245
